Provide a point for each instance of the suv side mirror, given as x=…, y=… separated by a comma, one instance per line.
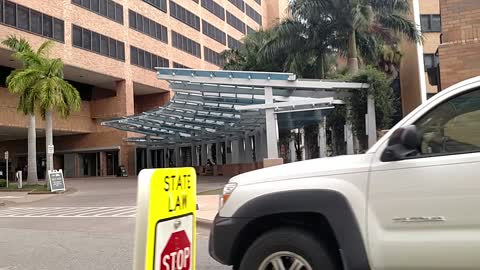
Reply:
x=404, y=143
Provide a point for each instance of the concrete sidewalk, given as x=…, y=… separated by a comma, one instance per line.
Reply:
x=208, y=209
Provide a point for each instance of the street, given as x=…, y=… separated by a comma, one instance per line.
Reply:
x=91, y=228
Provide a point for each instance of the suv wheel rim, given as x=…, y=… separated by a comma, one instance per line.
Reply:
x=285, y=260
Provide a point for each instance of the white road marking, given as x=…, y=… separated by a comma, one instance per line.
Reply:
x=69, y=212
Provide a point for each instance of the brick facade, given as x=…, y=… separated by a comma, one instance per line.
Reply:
x=129, y=89
x=460, y=49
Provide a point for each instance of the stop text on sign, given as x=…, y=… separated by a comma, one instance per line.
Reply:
x=178, y=187
x=177, y=260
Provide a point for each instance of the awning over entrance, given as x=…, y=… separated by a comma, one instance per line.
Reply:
x=212, y=106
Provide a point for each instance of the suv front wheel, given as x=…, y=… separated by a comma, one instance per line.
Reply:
x=287, y=249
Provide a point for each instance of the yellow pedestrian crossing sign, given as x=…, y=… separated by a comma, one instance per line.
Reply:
x=165, y=224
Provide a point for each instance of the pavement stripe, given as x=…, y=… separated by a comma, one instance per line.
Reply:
x=77, y=211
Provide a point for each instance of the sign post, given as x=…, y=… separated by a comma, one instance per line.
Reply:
x=57, y=182
x=166, y=215
x=6, y=167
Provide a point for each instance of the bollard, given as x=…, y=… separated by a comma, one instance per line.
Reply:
x=19, y=179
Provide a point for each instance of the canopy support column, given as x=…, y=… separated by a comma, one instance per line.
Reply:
x=218, y=150
x=349, y=133
x=322, y=138
x=371, y=121
x=248, y=158
x=271, y=125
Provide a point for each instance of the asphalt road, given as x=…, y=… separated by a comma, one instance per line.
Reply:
x=79, y=242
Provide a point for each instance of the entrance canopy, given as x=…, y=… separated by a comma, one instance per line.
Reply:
x=209, y=106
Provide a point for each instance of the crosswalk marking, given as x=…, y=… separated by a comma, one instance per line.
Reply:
x=66, y=212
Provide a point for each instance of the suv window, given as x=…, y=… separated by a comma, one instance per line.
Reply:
x=453, y=126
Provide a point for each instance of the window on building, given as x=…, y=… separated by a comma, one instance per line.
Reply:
x=213, y=57
x=47, y=26
x=177, y=65
x=233, y=43
x=235, y=22
x=250, y=30
x=185, y=44
x=160, y=4
x=106, y=8
x=29, y=20
x=185, y=16
x=252, y=13
x=239, y=4
x=213, y=32
x=147, y=60
x=431, y=23
x=259, y=2
x=89, y=40
x=429, y=60
x=147, y=26
x=214, y=8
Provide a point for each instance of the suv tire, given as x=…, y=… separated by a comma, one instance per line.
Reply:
x=290, y=247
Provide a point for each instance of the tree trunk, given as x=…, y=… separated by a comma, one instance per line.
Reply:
x=48, y=141
x=32, y=178
x=352, y=53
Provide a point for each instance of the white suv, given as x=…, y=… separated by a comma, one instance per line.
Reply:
x=411, y=202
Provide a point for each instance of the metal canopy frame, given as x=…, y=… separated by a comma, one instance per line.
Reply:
x=216, y=105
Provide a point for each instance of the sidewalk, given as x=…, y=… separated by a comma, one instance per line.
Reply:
x=208, y=208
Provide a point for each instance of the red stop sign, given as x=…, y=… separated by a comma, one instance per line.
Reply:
x=177, y=252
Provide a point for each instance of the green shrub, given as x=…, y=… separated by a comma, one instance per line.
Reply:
x=3, y=183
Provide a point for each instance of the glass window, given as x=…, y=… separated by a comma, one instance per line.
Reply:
x=36, y=22
x=148, y=60
x=146, y=26
x=78, y=2
x=95, y=5
x=111, y=9
x=155, y=61
x=134, y=55
x=113, y=48
x=139, y=22
x=104, y=45
x=120, y=50
x=141, y=57
x=436, y=24
x=87, y=39
x=86, y=3
x=452, y=127
x=430, y=23
x=152, y=29
x=1, y=11
x=23, y=18
x=47, y=25
x=103, y=7
x=132, y=18
x=58, y=30
x=77, y=36
x=10, y=13
x=96, y=42
x=119, y=13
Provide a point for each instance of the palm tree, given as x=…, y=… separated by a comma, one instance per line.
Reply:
x=27, y=104
x=54, y=94
x=352, y=21
x=41, y=87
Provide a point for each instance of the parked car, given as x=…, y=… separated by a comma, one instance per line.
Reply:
x=410, y=202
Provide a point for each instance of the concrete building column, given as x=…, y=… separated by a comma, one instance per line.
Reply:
x=371, y=121
x=248, y=157
x=125, y=96
x=194, y=155
x=166, y=164
x=271, y=126
x=178, y=160
x=127, y=158
x=237, y=148
x=263, y=137
x=322, y=138
x=204, y=154
x=291, y=147
x=258, y=146
x=228, y=147
x=303, y=144
x=218, y=149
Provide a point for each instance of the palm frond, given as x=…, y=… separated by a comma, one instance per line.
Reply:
x=44, y=49
x=17, y=44
x=400, y=25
